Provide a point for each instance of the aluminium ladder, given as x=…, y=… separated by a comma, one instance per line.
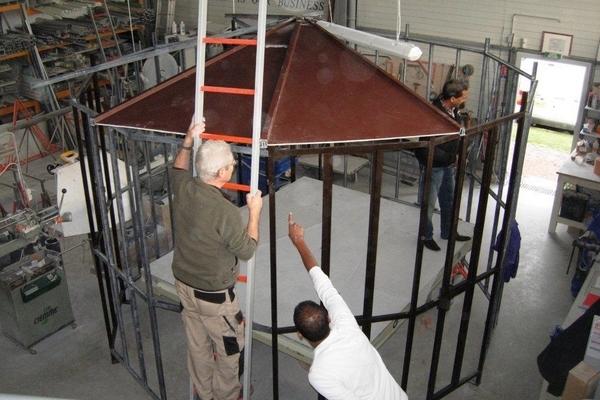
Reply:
x=257, y=92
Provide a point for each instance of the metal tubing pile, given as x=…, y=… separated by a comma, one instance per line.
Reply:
x=64, y=28
x=72, y=9
x=139, y=16
x=14, y=42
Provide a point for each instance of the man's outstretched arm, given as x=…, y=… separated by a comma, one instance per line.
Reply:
x=334, y=303
x=296, y=234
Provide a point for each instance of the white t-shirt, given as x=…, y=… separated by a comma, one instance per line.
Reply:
x=346, y=366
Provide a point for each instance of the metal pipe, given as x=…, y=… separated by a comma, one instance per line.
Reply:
x=374, y=208
x=170, y=192
x=414, y=297
x=273, y=259
x=474, y=152
x=475, y=254
x=457, y=64
x=151, y=198
x=511, y=200
x=124, y=256
x=149, y=290
x=326, y=213
x=429, y=73
x=445, y=298
x=98, y=191
x=91, y=236
x=254, y=181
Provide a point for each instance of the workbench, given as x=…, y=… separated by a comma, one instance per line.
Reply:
x=578, y=174
x=395, y=259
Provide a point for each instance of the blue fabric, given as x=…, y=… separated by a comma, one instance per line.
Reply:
x=511, y=262
x=594, y=225
x=442, y=190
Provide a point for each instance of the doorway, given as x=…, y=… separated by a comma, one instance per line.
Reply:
x=556, y=119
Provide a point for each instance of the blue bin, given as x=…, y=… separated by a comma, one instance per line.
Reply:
x=282, y=166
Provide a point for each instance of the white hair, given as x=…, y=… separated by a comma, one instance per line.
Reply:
x=211, y=157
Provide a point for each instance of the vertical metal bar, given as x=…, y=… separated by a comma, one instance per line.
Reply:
x=123, y=249
x=457, y=63
x=502, y=174
x=100, y=243
x=147, y=153
x=404, y=60
x=99, y=191
x=261, y=28
x=106, y=170
x=397, y=179
x=326, y=213
x=429, y=72
x=374, y=208
x=273, y=259
x=474, y=152
x=149, y=289
x=511, y=207
x=511, y=201
x=139, y=235
x=108, y=318
x=488, y=170
x=445, y=298
x=345, y=170
x=169, y=192
x=293, y=161
x=112, y=28
x=414, y=297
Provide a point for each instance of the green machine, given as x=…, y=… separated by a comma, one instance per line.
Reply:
x=34, y=297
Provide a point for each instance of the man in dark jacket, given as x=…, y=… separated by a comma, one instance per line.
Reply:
x=454, y=95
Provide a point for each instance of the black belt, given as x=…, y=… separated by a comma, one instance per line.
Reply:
x=215, y=297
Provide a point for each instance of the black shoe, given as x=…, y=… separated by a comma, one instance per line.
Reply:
x=431, y=244
x=462, y=238
x=459, y=238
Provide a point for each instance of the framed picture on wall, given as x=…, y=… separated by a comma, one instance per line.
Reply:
x=559, y=43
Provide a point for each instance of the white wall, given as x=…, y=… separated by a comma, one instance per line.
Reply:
x=475, y=20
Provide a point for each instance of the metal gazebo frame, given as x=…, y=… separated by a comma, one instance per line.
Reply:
x=118, y=271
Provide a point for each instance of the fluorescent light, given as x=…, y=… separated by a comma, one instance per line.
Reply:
x=400, y=49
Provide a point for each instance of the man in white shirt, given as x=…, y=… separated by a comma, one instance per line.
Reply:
x=345, y=365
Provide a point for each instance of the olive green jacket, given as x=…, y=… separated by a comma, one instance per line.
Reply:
x=209, y=235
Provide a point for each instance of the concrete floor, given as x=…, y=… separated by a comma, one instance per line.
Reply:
x=75, y=364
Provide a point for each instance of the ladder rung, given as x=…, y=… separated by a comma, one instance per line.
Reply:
x=228, y=90
x=226, y=138
x=236, y=186
x=237, y=42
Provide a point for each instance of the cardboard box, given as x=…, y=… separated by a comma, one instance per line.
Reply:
x=581, y=382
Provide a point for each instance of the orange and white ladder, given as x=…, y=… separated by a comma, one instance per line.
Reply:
x=257, y=92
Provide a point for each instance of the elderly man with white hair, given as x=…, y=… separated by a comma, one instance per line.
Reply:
x=209, y=238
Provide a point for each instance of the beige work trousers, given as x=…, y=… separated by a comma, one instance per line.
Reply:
x=215, y=339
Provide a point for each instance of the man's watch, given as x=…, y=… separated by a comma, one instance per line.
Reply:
x=187, y=147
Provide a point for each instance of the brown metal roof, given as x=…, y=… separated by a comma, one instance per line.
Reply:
x=316, y=90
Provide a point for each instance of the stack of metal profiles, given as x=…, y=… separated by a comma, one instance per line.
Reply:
x=8, y=84
x=139, y=15
x=14, y=42
x=72, y=9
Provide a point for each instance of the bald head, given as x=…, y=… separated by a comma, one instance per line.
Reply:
x=311, y=320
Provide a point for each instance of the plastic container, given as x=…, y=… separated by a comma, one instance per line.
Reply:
x=282, y=166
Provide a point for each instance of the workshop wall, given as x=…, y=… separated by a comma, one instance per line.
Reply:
x=476, y=20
